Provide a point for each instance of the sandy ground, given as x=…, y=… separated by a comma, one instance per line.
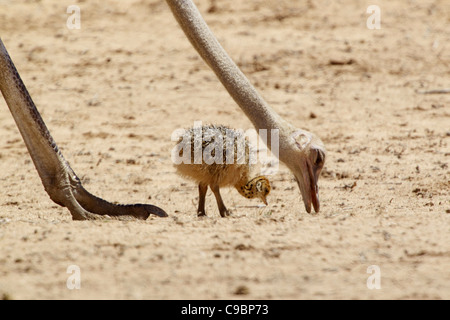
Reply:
x=113, y=92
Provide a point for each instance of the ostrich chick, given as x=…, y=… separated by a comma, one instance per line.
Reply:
x=218, y=156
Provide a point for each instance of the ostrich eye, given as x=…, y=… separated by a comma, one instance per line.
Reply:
x=319, y=158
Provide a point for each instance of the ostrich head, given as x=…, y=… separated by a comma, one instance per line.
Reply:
x=304, y=154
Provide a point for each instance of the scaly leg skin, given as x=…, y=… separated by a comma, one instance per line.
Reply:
x=222, y=209
x=202, y=189
x=59, y=180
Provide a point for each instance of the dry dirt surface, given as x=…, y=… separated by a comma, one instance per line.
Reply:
x=113, y=92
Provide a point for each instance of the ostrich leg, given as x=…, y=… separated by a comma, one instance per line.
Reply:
x=58, y=178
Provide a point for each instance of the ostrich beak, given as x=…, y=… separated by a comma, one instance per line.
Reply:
x=306, y=163
x=307, y=178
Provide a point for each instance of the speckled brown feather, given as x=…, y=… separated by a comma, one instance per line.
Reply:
x=224, y=173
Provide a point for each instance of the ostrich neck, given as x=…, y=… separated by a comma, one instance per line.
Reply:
x=238, y=86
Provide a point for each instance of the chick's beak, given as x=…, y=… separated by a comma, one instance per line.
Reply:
x=265, y=201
